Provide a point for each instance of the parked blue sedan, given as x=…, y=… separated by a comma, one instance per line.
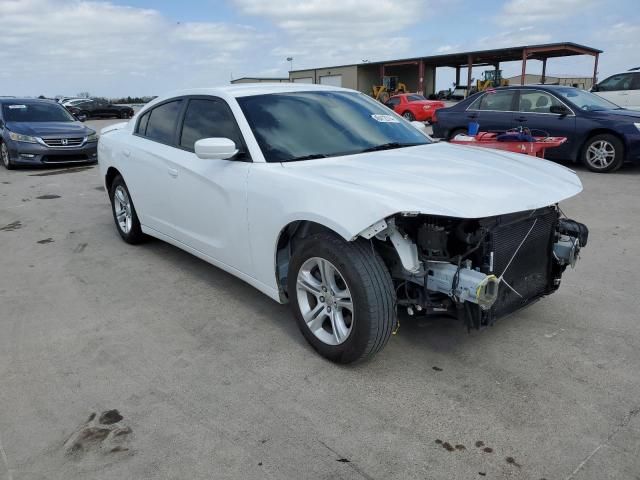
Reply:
x=599, y=133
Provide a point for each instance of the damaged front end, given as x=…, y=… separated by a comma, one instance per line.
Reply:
x=477, y=269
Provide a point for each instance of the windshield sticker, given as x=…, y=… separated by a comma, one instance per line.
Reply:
x=17, y=106
x=385, y=118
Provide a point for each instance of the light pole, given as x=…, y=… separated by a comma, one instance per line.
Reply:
x=290, y=60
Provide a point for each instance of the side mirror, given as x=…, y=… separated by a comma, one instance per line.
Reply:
x=559, y=109
x=215, y=148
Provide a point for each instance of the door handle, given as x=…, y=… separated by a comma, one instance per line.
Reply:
x=521, y=119
x=472, y=116
x=126, y=153
x=173, y=172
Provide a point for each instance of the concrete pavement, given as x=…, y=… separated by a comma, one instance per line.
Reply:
x=215, y=381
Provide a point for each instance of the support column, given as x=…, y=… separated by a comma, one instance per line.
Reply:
x=381, y=74
x=469, y=68
x=421, y=77
x=457, y=75
x=524, y=66
x=595, y=69
x=544, y=71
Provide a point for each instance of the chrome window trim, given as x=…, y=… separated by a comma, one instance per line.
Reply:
x=573, y=114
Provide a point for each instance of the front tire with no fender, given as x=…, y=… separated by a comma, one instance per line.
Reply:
x=342, y=296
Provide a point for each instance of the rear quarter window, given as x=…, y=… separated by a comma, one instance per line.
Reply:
x=162, y=122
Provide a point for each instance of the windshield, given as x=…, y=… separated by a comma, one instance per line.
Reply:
x=307, y=125
x=586, y=100
x=35, y=112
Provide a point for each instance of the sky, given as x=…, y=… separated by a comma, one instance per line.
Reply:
x=143, y=47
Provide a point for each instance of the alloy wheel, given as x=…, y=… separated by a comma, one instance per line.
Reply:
x=325, y=301
x=601, y=154
x=122, y=209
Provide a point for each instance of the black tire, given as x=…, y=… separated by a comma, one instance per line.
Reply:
x=609, y=142
x=86, y=114
x=4, y=156
x=409, y=116
x=371, y=289
x=134, y=235
x=457, y=131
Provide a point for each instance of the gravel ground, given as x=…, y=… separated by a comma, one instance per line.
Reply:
x=213, y=380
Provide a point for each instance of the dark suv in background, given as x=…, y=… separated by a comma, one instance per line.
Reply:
x=36, y=132
x=93, y=108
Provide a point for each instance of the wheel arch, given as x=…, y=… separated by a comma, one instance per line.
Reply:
x=289, y=235
x=112, y=173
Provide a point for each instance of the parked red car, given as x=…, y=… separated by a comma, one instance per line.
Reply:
x=413, y=106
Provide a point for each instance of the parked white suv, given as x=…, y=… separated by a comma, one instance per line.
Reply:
x=622, y=89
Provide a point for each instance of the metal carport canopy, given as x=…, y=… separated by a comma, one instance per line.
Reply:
x=498, y=55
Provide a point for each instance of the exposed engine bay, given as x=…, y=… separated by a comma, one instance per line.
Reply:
x=477, y=269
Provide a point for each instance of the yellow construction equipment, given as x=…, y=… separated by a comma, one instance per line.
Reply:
x=390, y=86
x=491, y=79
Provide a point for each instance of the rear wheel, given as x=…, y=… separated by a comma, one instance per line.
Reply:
x=603, y=153
x=124, y=213
x=409, y=116
x=342, y=297
x=4, y=156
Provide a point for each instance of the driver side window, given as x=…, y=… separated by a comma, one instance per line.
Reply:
x=207, y=118
x=536, y=101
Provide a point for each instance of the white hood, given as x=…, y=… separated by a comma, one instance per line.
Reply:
x=444, y=179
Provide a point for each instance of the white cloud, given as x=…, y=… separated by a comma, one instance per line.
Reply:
x=65, y=46
x=339, y=31
x=448, y=48
x=518, y=12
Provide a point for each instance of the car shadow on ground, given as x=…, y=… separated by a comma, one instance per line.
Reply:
x=227, y=285
x=435, y=334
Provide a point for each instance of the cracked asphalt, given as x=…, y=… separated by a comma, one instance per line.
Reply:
x=213, y=380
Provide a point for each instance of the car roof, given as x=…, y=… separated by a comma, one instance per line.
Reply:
x=262, y=88
x=26, y=100
x=540, y=86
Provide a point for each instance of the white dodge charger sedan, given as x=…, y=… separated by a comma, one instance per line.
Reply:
x=323, y=198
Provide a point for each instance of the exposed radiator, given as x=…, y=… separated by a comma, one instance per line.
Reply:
x=529, y=273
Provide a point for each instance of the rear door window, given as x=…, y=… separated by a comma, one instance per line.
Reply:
x=163, y=121
x=209, y=118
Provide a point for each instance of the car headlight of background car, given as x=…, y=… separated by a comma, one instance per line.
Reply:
x=637, y=126
x=92, y=137
x=18, y=137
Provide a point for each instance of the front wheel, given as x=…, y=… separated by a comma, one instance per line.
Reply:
x=603, y=153
x=342, y=297
x=124, y=213
x=4, y=156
